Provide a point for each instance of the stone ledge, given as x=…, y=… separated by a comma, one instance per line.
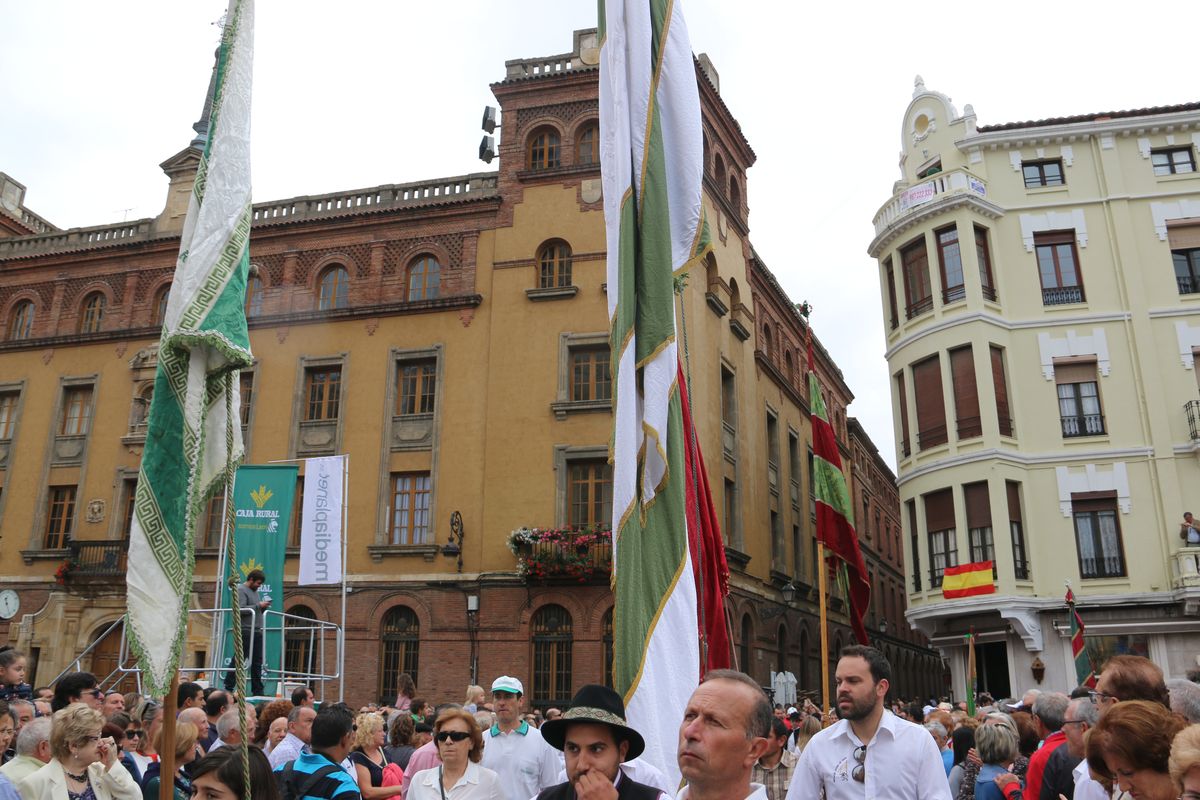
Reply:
x=378, y=551
x=552, y=293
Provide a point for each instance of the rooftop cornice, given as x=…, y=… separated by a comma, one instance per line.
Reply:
x=1081, y=129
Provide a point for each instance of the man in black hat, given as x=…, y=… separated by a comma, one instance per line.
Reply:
x=596, y=740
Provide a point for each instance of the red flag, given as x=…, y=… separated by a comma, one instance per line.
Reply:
x=1083, y=662
x=704, y=540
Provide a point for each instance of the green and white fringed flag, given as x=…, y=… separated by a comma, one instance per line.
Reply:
x=190, y=444
x=651, y=151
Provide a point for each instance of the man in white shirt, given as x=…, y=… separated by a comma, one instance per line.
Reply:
x=299, y=734
x=724, y=732
x=514, y=749
x=869, y=752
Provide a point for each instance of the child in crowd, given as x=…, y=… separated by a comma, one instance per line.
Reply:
x=12, y=676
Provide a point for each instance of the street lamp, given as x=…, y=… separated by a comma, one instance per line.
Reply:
x=788, y=591
x=454, y=546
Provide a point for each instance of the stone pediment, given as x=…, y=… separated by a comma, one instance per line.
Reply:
x=186, y=159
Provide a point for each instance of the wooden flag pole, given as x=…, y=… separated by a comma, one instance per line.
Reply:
x=166, y=753
x=820, y=565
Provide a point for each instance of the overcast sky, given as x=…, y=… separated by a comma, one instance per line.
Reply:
x=357, y=93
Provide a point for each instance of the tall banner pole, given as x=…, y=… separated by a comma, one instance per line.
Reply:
x=166, y=754
x=345, y=528
x=220, y=618
x=820, y=565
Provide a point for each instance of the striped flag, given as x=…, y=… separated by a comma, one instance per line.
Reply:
x=193, y=432
x=1084, y=673
x=652, y=163
x=968, y=580
x=835, y=515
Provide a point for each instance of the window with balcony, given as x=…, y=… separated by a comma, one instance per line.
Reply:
x=60, y=517
x=408, y=513
x=979, y=524
x=1173, y=160
x=1043, y=173
x=966, y=392
x=983, y=254
x=1078, y=399
x=323, y=393
x=20, y=324
x=931, y=408
x=333, y=291
x=950, y=264
x=902, y=411
x=589, y=492
x=129, y=498
x=918, y=293
x=889, y=277
x=914, y=544
x=91, y=320
x=943, y=543
x=1098, y=535
x=1058, y=268
x=1016, y=529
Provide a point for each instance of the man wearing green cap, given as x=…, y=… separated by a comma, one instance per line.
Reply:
x=596, y=740
x=514, y=749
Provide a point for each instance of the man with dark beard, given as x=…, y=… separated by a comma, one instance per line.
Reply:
x=869, y=752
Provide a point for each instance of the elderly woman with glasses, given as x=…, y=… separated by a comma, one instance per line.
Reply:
x=460, y=776
x=83, y=764
x=1185, y=763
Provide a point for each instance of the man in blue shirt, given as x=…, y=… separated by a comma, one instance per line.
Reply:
x=319, y=775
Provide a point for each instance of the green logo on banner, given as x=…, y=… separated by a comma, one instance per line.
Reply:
x=262, y=501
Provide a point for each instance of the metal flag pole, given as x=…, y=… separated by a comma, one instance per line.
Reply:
x=218, y=628
x=345, y=534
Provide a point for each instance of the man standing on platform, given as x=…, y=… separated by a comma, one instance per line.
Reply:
x=869, y=752
x=514, y=749
x=252, y=606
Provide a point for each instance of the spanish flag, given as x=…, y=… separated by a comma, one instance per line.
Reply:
x=968, y=580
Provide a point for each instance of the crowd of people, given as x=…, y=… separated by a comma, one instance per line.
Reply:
x=1134, y=733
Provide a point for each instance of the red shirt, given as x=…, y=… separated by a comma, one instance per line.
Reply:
x=1037, y=763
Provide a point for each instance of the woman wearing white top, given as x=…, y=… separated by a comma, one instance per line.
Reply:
x=460, y=746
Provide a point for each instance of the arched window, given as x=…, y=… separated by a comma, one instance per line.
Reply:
x=554, y=265
x=544, y=149
x=789, y=367
x=735, y=196
x=587, y=144
x=401, y=637
x=20, y=326
x=719, y=172
x=160, y=305
x=254, y=296
x=744, y=645
x=93, y=313
x=768, y=344
x=424, y=279
x=735, y=294
x=334, y=284
x=299, y=642
x=552, y=640
x=607, y=624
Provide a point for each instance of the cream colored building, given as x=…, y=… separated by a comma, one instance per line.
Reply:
x=1040, y=287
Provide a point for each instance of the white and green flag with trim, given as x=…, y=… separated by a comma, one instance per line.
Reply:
x=193, y=434
x=651, y=150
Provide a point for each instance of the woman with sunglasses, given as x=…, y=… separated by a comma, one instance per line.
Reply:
x=460, y=777
x=368, y=758
x=83, y=764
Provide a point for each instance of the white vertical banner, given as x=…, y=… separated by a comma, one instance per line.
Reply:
x=321, y=521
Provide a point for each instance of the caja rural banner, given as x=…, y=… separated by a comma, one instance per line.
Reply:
x=262, y=499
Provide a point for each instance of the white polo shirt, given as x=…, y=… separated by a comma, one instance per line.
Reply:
x=902, y=763
x=525, y=763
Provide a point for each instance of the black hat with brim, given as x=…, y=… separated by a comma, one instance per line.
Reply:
x=596, y=704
